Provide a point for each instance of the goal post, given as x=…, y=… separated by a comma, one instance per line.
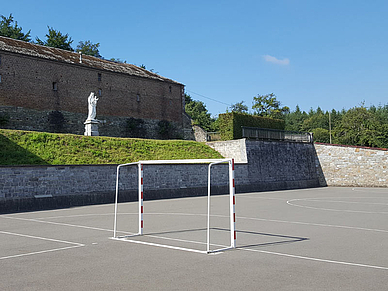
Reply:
x=210, y=162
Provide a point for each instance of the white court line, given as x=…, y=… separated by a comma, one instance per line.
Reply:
x=347, y=202
x=252, y=250
x=199, y=214
x=314, y=224
x=58, y=223
x=62, y=209
x=280, y=221
x=269, y=198
x=79, y=215
x=160, y=245
x=315, y=259
x=289, y=202
x=257, y=251
x=75, y=245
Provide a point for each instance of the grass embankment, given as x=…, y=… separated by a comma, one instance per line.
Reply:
x=40, y=148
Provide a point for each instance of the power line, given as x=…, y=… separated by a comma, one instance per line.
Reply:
x=209, y=98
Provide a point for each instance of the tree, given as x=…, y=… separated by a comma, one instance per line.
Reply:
x=321, y=135
x=239, y=107
x=360, y=127
x=118, y=60
x=12, y=31
x=199, y=114
x=268, y=106
x=88, y=48
x=316, y=119
x=295, y=119
x=56, y=39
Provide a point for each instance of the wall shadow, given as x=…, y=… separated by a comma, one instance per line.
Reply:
x=318, y=168
x=12, y=154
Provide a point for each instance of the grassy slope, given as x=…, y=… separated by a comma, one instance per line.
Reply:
x=34, y=148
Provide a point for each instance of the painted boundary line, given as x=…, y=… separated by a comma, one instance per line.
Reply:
x=74, y=245
x=316, y=259
x=238, y=248
x=160, y=245
x=291, y=202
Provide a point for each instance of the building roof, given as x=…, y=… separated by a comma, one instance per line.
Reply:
x=54, y=54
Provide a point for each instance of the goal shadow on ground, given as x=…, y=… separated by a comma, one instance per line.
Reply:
x=271, y=238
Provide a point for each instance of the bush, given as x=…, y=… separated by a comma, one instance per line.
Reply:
x=321, y=135
x=4, y=119
x=165, y=129
x=56, y=121
x=230, y=124
x=134, y=127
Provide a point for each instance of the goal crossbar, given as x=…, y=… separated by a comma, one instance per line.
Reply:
x=210, y=162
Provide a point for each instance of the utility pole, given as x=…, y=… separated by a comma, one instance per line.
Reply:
x=330, y=126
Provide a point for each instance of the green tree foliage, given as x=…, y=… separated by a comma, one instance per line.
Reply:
x=118, y=60
x=268, y=106
x=88, y=48
x=9, y=28
x=239, y=107
x=295, y=119
x=316, y=119
x=356, y=126
x=230, y=124
x=359, y=127
x=321, y=135
x=199, y=114
x=56, y=39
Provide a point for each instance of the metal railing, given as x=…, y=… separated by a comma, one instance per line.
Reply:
x=213, y=136
x=274, y=134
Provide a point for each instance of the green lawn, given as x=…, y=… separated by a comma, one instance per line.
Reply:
x=40, y=148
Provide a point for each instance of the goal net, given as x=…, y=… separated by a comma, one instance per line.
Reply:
x=210, y=162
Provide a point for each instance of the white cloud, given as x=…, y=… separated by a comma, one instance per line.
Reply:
x=274, y=60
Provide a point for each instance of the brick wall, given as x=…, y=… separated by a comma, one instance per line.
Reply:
x=353, y=166
x=46, y=85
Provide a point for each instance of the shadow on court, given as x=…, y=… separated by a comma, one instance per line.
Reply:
x=280, y=245
x=274, y=239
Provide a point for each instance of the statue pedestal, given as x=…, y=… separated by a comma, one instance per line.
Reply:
x=91, y=127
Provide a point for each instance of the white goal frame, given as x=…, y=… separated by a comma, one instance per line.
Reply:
x=210, y=162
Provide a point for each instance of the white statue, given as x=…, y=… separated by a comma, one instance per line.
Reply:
x=92, y=104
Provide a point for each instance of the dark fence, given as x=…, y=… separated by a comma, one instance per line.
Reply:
x=278, y=135
x=213, y=136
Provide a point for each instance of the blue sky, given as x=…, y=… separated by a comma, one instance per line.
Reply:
x=331, y=54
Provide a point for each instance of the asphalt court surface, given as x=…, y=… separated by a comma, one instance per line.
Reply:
x=310, y=239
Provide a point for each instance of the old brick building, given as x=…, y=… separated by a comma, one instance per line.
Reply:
x=46, y=89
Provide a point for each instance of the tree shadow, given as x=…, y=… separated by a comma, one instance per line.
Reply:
x=12, y=154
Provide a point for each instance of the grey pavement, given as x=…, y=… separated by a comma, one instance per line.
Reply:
x=310, y=239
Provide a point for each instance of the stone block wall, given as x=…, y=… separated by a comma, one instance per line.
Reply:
x=269, y=166
x=353, y=166
x=281, y=165
x=40, y=187
x=117, y=126
x=199, y=133
x=235, y=149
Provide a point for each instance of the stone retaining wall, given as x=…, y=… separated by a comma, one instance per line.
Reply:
x=353, y=166
x=270, y=166
x=19, y=118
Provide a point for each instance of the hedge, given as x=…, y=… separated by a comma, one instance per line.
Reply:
x=230, y=124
